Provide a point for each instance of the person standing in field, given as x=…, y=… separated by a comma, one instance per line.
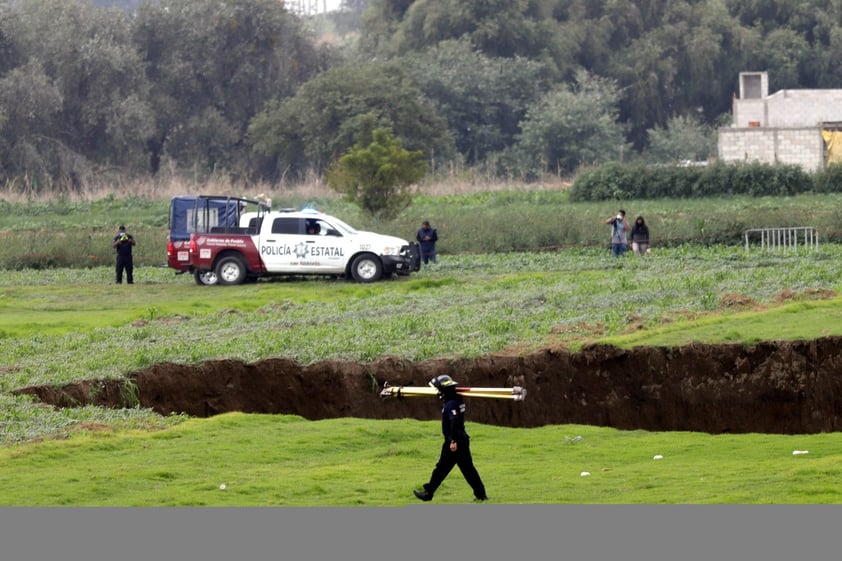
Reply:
x=427, y=238
x=123, y=243
x=619, y=230
x=640, y=236
x=456, y=448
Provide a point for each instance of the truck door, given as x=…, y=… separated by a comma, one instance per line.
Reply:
x=325, y=246
x=302, y=245
x=277, y=243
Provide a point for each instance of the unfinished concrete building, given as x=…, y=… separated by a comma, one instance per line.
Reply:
x=799, y=127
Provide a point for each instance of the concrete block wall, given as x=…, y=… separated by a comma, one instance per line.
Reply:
x=804, y=108
x=784, y=127
x=748, y=111
x=788, y=108
x=798, y=146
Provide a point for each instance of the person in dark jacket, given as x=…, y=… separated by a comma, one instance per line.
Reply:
x=640, y=237
x=123, y=243
x=456, y=449
x=427, y=238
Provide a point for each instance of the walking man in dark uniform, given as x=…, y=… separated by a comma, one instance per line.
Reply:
x=456, y=449
x=123, y=243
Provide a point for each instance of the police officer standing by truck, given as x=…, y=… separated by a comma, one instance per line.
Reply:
x=123, y=243
x=427, y=238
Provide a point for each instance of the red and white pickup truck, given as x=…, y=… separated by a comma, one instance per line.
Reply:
x=228, y=240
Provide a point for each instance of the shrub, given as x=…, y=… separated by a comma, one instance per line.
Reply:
x=616, y=181
x=829, y=180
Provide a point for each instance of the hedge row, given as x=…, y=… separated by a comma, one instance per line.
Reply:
x=618, y=181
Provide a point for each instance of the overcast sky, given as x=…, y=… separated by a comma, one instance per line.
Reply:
x=330, y=5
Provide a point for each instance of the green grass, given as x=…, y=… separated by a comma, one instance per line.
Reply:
x=61, y=325
x=283, y=460
x=78, y=234
x=793, y=321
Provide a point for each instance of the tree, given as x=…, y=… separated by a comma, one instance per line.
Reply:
x=497, y=28
x=684, y=138
x=483, y=98
x=84, y=57
x=29, y=104
x=377, y=173
x=9, y=55
x=323, y=120
x=215, y=65
x=571, y=126
x=785, y=55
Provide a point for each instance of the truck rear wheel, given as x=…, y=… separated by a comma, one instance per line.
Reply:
x=206, y=278
x=366, y=268
x=230, y=269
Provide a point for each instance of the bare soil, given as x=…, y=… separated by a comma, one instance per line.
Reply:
x=780, y=387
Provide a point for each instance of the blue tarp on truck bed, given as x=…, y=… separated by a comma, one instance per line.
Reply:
x=190, y=214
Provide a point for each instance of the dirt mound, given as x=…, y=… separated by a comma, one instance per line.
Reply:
x=780, y=387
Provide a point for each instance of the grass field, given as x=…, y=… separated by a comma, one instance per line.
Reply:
x=78, y=234
x=61, y=325
x=264, y=460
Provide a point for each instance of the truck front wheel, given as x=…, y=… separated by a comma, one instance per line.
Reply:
x=366, y=268
x=231, y=270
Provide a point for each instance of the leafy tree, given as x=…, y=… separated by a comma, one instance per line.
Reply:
x=9, y=55
x=83, y=55
x=377, y=173
x=323, y=120
x=483, y=98
x=684, y=138
x=827, y=57
x=600, y=30
x=29, y=104
x=497, y=28
x=784, y=54
x=687, y=57
x=668, y=57
x=572, y=126
x=220, y=61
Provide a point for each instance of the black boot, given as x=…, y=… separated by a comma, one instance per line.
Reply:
x=424, y=495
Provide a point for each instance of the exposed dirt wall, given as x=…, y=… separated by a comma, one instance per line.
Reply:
x=772, y=387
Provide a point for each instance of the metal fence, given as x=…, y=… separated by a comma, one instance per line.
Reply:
x=789, y=238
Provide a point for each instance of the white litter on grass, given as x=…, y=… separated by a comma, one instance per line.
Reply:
x=585, y=473
x=657, y=457
x=222, y=486
x=572, y=440
x=797, y=452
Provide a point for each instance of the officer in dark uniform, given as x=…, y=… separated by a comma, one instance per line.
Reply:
x=456, y=449
x=123, y=243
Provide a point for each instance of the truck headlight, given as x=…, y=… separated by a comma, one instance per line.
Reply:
x=391, y=250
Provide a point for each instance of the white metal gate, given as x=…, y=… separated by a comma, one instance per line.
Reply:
x=779, y=239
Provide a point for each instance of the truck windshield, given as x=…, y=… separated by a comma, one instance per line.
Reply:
x=345, y=228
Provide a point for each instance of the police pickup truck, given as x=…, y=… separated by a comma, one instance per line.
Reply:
x=229, y=240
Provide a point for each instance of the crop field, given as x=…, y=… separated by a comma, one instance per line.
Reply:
x=60, y=325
